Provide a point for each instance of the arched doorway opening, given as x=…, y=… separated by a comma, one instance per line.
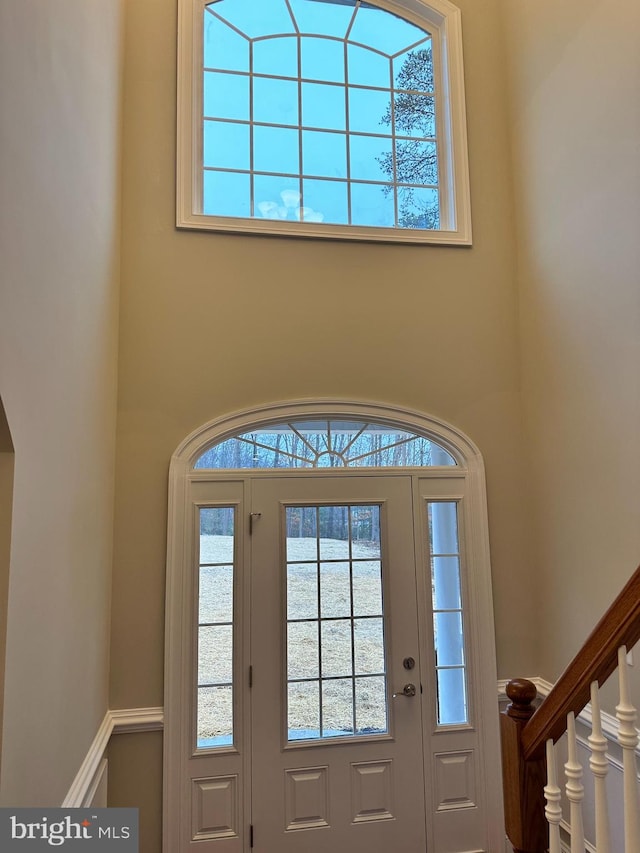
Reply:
x=330, y=659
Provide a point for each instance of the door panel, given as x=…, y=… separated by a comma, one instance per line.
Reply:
x=337, y=762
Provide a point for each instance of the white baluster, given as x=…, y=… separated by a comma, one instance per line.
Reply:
x=599, y=767
x=628, y=740
x=574, y=787
x=552, y=794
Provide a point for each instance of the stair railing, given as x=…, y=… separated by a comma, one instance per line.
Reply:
x=532, y=791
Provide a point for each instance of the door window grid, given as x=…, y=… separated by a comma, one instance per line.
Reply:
x=448, y=622
x=336, y=678
x=214, y=726
x=277, y=165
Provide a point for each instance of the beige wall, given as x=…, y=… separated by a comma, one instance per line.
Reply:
x=213, y=323
x=59, y=135
x=135, y=781
x=574, y=69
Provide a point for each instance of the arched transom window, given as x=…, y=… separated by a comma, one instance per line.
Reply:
x=322, y=117
x=325, y=444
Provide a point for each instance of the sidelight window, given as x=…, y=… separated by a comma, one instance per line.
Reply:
x=448, y=623
x=215, y=627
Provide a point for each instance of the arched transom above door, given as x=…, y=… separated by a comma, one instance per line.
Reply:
x=323, y=443
x=325, y=434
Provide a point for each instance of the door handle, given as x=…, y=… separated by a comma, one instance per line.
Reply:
x=408, y=690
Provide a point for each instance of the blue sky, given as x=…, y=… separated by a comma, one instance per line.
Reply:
x=316, y=131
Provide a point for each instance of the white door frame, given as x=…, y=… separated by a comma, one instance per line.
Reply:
x=178, y=640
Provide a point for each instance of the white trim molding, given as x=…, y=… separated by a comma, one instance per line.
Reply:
x=120, y=721
x=97, y=792
x=129, y=720
x=86, y=776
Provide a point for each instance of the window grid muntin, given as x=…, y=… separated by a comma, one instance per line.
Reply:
x=347, y=118
x=323, y=434
x=461, y=668
x=220, y=687
x=303, y=212
x=357, y=679
x=251, y=132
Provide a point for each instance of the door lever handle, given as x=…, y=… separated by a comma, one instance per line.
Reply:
x=407, y=690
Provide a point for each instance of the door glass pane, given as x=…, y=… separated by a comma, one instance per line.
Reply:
x=335, y=589
x=216, y=594
x=302, y=639
x=215, y=654
x=335, y=537
x=448, y=619
x=337, y=707
x=446, y=583
x=449, y=645
x=215, y=628
x=215, y=717
x=336, y=550
x=336, y=648
x=452, y=697
x=304, y=710
x=302, y=591
x=371, y=710
x=368, y=637
x=367, y=588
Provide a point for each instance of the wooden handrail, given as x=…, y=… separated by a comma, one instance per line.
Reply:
x=524, y=732
x=596, y=660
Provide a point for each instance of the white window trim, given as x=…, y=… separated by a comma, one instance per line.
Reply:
x=443, y=20
x=178, y=636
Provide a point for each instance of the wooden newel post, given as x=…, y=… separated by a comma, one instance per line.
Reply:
x=522, y=781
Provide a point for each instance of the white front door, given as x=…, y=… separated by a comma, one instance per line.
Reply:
x=331, y=652
x=337, y=762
